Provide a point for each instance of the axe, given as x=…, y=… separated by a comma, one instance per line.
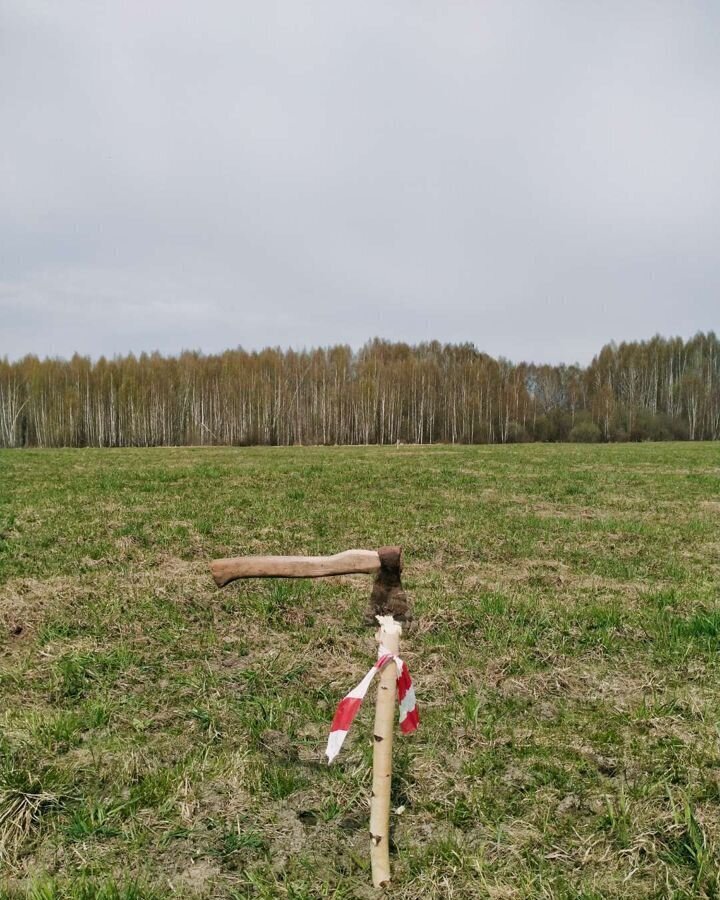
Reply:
x=387, y=599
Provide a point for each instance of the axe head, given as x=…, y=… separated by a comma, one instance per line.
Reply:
x=388, y=597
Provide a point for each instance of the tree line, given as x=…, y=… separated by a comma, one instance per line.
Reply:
x=661, y=389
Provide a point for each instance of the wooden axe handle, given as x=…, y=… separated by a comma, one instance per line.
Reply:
x=348, y=562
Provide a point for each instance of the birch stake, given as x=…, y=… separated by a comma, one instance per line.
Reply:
x=388, y=635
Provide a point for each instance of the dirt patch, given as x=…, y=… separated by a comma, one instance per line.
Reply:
x=545, y=510
x=173, y=567
x=549, y=573
x=24, y=603
x=574, y=681
x=197, y=877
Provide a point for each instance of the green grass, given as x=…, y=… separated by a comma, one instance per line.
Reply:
x=160, y=738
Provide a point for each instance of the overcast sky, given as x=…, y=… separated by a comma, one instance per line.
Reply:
x=535, y=177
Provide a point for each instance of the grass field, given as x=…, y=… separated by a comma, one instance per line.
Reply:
x=160, y=738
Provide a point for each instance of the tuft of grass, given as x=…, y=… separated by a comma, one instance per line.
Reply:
x=618, y=820
x=24, y=802
x=76, y=673
x=687, y=844
x=85, y=888
x=96, y=821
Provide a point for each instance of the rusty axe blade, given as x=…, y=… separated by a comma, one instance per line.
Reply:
x=388, y=597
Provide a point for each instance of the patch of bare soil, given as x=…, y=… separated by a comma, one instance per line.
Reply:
x=575, y=680
x=548, y=573
x=24, y=603
x=544, y=510
x=197, y=877
x=172, y=567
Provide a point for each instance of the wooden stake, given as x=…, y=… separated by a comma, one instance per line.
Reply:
x=388, y=635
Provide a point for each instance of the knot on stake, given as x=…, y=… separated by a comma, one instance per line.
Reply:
x=388, y=597
x=350, y=704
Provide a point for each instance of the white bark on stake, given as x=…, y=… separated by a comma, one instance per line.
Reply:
x=388, y=635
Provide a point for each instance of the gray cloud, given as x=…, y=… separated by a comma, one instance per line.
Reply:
x=537, y=178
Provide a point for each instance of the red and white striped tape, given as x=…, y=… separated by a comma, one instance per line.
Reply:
x=350, y=704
